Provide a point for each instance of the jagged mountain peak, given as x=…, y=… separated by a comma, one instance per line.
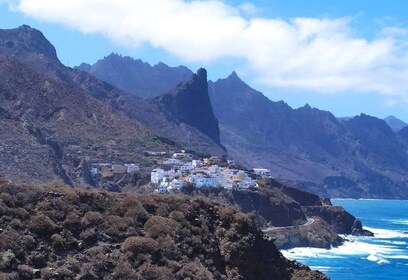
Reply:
x=190, y=103
x=26, y=41
x=395, y=123
x=136, y=76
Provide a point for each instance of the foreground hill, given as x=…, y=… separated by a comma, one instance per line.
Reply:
x=64, y=233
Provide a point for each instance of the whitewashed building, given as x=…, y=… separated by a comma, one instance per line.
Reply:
x=156, y=175
x=132, y=168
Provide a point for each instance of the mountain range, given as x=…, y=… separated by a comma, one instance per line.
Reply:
x=361, y=156
x=53, y=115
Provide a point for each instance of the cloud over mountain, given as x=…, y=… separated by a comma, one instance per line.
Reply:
x=318, y=54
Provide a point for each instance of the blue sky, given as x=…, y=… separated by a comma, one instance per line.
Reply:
x=346, y=56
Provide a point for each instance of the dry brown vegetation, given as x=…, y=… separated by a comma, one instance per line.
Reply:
x=64, y=233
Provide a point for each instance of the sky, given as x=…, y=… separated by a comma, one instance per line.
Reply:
x=347, y=57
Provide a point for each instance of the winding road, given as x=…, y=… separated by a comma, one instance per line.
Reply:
x=309, y=222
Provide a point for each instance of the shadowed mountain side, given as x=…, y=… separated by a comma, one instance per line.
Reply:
x=395, y=124
x=189, y=103
x=359, y=157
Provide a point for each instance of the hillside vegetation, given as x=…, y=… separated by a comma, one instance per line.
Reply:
x=63, y=233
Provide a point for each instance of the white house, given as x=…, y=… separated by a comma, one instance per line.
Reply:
x=197, y=163
x=94, y=171
x=156, y=175
x=263, y=172
x=186, y=167
x=172, y=161
x=176, y=185
x=246, y=184
x=200, y=181
x=132, y=168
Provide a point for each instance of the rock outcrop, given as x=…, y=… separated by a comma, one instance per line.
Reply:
x=189, y=103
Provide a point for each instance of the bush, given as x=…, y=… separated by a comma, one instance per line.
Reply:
x=42, y=225
x=8, y=261
x=158, y=226
x=136, y=245
x=92, y=219
x=194, y=271
x=154, y=272
x=25, y=272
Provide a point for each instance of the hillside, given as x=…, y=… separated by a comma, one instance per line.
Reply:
x=31, y=48
x=63, y=233
x=50, y=126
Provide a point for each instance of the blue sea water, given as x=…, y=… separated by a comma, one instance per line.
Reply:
x=384, y=256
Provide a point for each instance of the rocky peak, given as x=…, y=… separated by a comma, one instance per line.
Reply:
x=25, y=42
x=189, y=102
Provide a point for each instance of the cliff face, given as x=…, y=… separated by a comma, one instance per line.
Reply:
x=292, y=217
x=189, y=103
x=63, y=233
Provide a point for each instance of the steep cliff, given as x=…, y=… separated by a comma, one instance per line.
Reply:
x=189, y=103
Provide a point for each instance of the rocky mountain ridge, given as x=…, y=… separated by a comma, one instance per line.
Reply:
x=137, y=76
x=347, y=157
x=80, y=115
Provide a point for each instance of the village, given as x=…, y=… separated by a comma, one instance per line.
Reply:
x=176, y=170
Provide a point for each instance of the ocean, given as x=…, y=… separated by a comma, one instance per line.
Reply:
x=384, y=256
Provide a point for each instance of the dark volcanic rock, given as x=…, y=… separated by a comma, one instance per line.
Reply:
x=189, y=103
x=272, y=206
x=338, y=218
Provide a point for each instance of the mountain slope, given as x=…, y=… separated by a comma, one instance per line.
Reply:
x=51, y=123
x=358, y=157
x=31, y=48
x=136, y=76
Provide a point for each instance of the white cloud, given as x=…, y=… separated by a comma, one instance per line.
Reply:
x=322, y=55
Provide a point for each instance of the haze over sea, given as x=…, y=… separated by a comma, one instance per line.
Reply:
x=384, y=256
